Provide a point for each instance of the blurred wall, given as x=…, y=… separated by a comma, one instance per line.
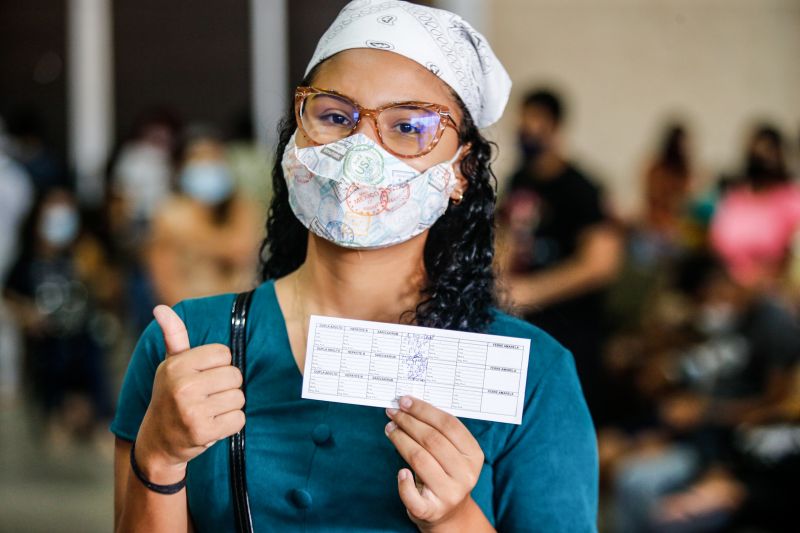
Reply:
x=188, y=55
x=33, y=66
x=308, y=20
x=626, y=65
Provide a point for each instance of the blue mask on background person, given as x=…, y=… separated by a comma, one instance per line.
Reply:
x=207, y=182
x=59, y=225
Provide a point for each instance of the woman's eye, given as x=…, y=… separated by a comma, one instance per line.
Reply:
x=336, y=119
x=407, y=128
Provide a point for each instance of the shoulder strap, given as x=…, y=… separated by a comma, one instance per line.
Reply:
x=241, y=501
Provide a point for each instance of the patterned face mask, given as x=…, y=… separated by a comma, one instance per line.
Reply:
x=355, y=194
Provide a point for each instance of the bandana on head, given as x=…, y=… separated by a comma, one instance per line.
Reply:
x=441, y=41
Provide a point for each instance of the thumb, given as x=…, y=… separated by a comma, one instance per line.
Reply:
x=416, y=505
x=176, y=338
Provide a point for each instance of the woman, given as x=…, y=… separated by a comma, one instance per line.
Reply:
x=756, y=223
x=56, y=291
x=667, y=183
x=205, y=239
x=422, y=255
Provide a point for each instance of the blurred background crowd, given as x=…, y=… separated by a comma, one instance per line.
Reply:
x=648, y=218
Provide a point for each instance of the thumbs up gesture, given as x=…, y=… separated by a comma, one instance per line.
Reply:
x=197, y=400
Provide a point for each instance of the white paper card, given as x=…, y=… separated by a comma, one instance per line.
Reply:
x=470, y=375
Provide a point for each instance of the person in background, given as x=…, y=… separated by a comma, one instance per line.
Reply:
x=139, y=180
x=51, y=290
x=27, y=144
x=736, y=368
x=561, y=249
x=667, y=227
x=758, y=219
x=667, y=185
x=141, y=174
x=249, y=161
x=16, y=197
x=205, y=238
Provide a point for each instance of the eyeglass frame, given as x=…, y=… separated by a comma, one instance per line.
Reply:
x=445, y=118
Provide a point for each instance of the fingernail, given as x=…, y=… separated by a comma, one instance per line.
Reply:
x=405, y=402
x=391, y=411
x=402, y=475
x=391, y=426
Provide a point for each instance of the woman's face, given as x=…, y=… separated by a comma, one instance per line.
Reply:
x=373, y=78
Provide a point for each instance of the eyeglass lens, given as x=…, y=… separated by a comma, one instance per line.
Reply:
x=405, y=129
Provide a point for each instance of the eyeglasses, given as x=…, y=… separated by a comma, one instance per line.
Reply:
x=406, y=129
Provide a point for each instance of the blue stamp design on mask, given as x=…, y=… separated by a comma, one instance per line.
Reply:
x=339, y=232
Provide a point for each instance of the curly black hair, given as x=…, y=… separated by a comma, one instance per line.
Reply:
x=459, y=252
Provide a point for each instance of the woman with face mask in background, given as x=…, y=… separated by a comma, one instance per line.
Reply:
x=756, y=222
x=204, y=238
x=383, y=210
x=55, y=291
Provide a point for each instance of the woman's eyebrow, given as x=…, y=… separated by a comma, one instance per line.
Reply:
x=387, y=101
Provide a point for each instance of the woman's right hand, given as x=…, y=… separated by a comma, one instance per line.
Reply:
x=197, y=400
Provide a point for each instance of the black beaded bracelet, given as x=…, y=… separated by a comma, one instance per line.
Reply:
x=161, y=489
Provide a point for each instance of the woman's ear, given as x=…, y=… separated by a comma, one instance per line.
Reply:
x=461, y=182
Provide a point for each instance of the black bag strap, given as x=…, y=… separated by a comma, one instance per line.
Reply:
x=241, y=501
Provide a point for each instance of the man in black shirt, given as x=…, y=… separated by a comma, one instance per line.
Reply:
x=560, y=248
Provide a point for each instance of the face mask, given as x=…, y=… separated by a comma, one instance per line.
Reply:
x=355, y=194
x=59, y=225
x=207, y=182
x=761, y=171
x=531, y=146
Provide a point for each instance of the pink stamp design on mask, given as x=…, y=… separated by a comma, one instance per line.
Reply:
x=366, y=201
x=397, y=196
x=301, y=174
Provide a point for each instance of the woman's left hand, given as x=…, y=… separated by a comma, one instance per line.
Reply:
x=447, y=461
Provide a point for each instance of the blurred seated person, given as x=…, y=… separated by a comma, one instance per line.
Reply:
x=755, y=487
x=206, y=238
x=53, y=292
x=668, y=180
x=738, y=371
x=758, y=218
x=558, y=248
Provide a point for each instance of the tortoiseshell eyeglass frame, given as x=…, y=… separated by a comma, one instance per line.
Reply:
x=445, y=118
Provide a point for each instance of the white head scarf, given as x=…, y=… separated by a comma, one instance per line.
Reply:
x=441, y=41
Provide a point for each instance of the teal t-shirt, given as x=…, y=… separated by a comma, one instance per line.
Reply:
x=320, y=466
